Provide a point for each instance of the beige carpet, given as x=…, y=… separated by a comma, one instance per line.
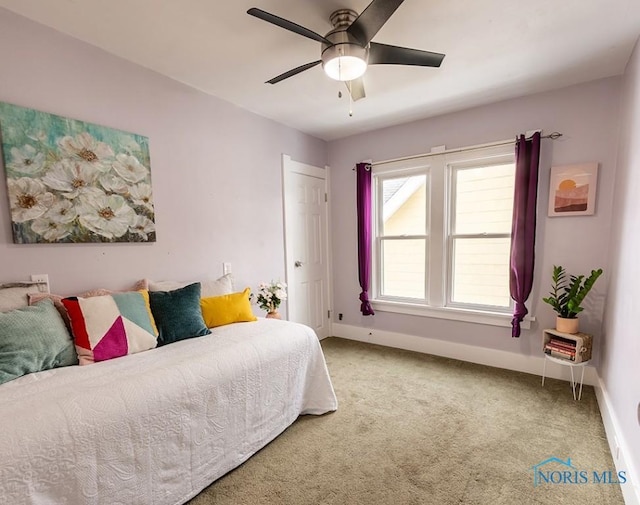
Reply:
x=418, y=429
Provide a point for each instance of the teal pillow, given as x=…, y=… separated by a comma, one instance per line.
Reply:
x=32, y=339
x=177, y=314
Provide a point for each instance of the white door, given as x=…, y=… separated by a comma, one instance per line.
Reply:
x=306, y=239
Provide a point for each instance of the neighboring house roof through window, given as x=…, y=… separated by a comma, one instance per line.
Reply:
x=397, y=191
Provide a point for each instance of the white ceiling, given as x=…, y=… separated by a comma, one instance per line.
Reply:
x=495, y=49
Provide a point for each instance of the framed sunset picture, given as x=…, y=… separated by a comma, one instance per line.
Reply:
x=572, y=190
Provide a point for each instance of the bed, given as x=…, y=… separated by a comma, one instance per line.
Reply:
x=157, y=427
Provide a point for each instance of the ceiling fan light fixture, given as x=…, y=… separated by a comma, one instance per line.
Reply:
x=348, y=48
x=344, y=62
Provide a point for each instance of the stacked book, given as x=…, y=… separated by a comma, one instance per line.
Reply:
x=561, y=349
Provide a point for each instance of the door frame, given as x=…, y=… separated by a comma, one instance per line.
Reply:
x=290, y=166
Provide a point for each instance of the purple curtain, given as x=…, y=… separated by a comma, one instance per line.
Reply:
x=523, y=227
x=363, y=189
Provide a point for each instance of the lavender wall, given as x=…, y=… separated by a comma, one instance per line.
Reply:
x=587, y=115
x=621, y=353
x=216, y=169
x=217, y=190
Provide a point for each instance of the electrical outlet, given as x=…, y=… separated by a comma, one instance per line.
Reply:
x=43, y=280
x=340, y=316
x=226, y=268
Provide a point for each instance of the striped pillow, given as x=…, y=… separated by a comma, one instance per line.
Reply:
x=106, y=327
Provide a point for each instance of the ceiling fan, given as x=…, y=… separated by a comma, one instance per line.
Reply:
x=347, y=50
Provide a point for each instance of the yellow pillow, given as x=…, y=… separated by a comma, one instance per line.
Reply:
x=227, y=309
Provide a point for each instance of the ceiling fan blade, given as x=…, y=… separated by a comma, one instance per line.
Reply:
x=287, y=25
x=384, y=54
x=293, y=72
x=356, y=89
x=369, y=22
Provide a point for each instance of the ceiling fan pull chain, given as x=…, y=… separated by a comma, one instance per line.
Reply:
x=350, y=88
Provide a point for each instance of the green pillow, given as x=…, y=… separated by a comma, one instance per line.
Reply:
x=177, y=314
x=32, y=339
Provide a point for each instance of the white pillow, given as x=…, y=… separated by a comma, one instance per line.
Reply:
x=14, y=296
x=219, y=287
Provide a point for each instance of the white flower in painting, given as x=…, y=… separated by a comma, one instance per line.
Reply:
x=129, y=168
x=106, y=215
x=26, y=160
x=50, y=229
x=140, y=194
x=29, y=199
x=142, y=226
x=129, y=145
x=62, y=212
x=70, y=177
x=114, y=184
x=87, y=150
x=38, y=136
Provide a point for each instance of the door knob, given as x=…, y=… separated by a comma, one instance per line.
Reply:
x=297, y=264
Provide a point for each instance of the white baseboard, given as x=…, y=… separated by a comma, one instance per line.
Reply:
x=463, y=352
x=618, y=446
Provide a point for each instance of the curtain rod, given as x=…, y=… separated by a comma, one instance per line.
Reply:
x=552, y=136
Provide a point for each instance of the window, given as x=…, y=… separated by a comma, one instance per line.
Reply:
x=479, y=235
x=443, y=233
x=403, y=237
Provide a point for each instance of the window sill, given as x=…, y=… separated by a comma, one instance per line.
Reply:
x=455, y=314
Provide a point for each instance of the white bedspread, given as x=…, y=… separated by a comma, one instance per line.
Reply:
x=159, y=426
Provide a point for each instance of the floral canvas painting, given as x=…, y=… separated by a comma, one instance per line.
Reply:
x=572, y=190
x=70, y=182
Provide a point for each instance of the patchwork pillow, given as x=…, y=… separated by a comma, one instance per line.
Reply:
x=57, y=299
x=33, y=339
x=227, y=309
x=221, y=286
x=177, y=314
x=110, y=326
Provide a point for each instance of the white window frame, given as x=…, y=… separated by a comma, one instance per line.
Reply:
x=438, y=168
x=392, y=172
x=455, y=163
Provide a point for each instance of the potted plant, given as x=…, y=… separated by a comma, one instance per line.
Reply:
x=566, y=297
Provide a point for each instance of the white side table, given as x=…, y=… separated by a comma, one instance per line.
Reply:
x=571, y=365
